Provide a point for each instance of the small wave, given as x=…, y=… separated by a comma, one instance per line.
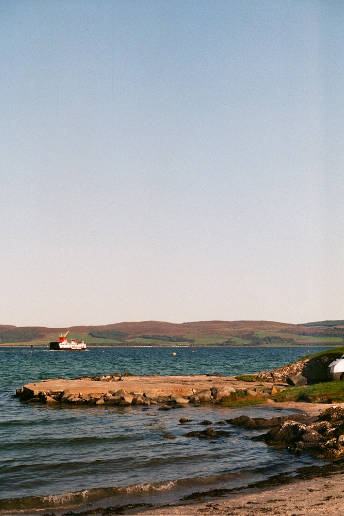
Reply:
x=131, y=463
x=72, y=441
x=69, y=500
x=38, y=422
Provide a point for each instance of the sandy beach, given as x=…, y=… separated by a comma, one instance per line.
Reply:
x=324, y=495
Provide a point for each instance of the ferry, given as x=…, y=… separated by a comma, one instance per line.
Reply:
x=63, y=344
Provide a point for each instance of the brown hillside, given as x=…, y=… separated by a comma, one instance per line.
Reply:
x=252, y=332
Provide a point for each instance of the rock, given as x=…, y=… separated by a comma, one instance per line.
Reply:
x=184, y=420
x=208, y=433
x=323, y=428
x=162, y=399
x=311, y=438
x=51, y=400
x=323, y=435
x=100, y=401
x=256, y=423
x=168, y=436
x=179, y=399
x=108, y=398
x=165, y=407
x=296, y=380
x=115, y=400
x=26, y=393
x=126, y=400
x=138, y=400
x=204, y=396
x=92, y=398
x=219, y=393
x=70, y=398
x=290, y=432
x=332, y=414
x=120, y=392
x=206, y=422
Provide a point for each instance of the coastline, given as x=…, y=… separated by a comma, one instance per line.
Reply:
x=316, y=495
x=177, y=391
x=99, y=346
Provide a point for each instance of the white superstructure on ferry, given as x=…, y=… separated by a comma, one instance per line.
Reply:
x=63, y=344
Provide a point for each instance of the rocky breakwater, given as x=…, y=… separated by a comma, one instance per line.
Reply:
x=322, y=435
x=167, y=391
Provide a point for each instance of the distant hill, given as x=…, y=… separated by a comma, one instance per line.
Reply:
x=200, y=333
x=338, y=323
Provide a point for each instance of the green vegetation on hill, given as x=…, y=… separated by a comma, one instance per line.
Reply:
x=20, y=334
x=167, y=338
x=109, y=334
x=338, y=322
x=334, y=353
x=202, y=333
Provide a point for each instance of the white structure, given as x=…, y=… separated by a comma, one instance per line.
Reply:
x=337, y=368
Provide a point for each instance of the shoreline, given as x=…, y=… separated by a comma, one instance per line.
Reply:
x=282, y=493
x=313, y=489
x=97, y=346
x=319, y=494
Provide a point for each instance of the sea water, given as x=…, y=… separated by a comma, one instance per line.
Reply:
x=65, y=456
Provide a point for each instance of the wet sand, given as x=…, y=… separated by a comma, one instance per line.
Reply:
x=317, y=496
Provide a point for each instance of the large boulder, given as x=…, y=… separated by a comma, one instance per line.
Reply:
x=297, y=380
x=255, y=423
x=208, y=433
x=317, y=369
x=204, y=396
x=220, y=393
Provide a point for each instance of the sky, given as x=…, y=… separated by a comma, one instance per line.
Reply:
x=175, y=161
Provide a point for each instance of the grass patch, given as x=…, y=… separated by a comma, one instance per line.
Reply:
x=247, y=377
x=325, y=392
x=240, y=399
x=335, y=351
x=243, y=402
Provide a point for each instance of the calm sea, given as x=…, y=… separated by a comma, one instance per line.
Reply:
x=66, y=456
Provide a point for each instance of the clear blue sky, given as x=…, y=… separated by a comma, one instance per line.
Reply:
x=174, y=160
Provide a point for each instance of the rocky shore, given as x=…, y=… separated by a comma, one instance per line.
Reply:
x=321, y=435
x=126, y=390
